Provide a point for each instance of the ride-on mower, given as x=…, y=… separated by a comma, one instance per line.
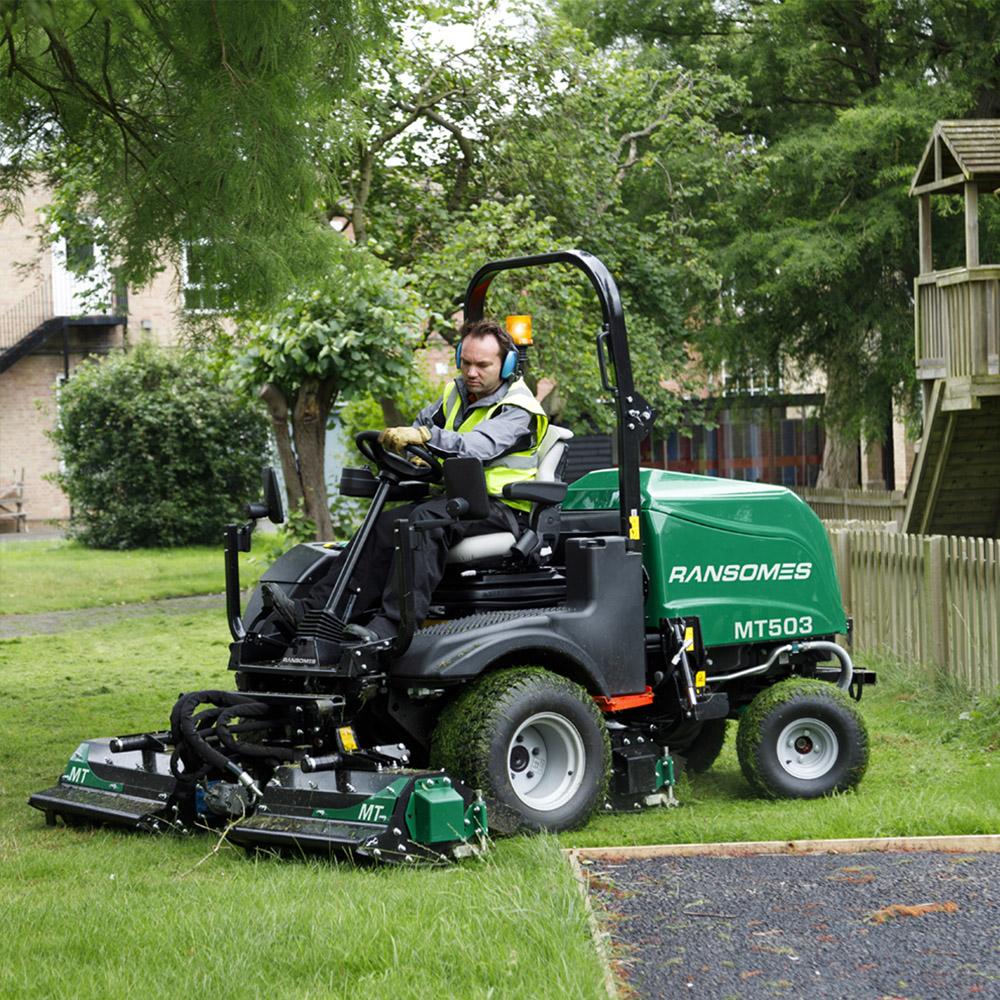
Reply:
x=560, y=673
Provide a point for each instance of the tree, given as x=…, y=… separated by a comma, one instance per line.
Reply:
x=844, y=96
x=612, y=153
x=841, y=99
x=155, y=451
x=160, y=123
x=353, y=333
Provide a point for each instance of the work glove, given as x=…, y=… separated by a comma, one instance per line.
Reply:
x=397, y=438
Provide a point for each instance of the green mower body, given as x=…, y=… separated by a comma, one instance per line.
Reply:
x=751, y=561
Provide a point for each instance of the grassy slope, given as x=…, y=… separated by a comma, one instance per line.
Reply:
x=56, y=575
x=94, y=913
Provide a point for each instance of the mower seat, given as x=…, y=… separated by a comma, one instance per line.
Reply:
x=498, y=544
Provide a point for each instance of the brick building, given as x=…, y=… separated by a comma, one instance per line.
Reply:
x=50, y=320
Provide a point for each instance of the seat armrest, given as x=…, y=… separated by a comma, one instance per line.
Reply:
x=544, y=493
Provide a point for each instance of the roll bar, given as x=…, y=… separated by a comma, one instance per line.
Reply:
x=634, y=415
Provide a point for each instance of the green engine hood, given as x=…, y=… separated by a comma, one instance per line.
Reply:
x=751, y=560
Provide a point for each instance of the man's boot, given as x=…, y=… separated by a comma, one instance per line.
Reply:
x=284, y=611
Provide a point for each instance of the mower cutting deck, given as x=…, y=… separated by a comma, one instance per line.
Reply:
x=385, y=813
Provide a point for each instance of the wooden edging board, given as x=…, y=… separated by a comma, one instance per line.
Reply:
x=578, y=856
x=989, y=842
x=599, y=937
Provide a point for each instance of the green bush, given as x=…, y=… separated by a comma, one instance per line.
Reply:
x=155, y=452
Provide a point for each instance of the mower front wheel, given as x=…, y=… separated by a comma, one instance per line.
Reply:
x=802, y=739
x=534, y=742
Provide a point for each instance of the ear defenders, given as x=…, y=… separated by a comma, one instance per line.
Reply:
x=506, y=370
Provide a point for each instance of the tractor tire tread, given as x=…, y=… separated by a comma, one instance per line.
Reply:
x=462, y=736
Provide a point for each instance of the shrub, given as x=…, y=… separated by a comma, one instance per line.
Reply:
x=155, y=452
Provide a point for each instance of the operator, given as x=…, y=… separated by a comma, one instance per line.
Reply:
x=487, y=412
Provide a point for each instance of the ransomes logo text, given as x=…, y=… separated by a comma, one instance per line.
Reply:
x=746, y=573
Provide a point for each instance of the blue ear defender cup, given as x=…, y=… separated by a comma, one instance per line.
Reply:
x=506, y=370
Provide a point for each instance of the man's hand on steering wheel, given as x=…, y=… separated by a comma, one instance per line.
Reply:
x=413, y=461
x=396, y=439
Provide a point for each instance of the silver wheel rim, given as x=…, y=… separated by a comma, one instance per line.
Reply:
x=545, y=761
x=807, y=749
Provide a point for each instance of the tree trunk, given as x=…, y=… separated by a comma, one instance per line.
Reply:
x=391, y=413
x=277, y=406
x=312, y=408
x=840, y=452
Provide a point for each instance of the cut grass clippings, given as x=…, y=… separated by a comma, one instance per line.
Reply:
x=96, y=913
x=58, y=575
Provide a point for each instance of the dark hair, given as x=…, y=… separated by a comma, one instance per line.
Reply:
x=488, y=328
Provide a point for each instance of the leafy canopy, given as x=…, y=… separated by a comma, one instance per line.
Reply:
x=161, y=123
x=357, y=327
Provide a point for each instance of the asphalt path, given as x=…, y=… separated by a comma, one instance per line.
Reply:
x=885, y=926
x=49, y=622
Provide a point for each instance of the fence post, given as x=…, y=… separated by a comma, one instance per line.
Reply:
x=843, y=540
x=935, y=596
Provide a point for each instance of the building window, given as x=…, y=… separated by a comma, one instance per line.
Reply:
x=201, y=294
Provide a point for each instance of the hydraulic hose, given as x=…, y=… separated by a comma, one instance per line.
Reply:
x=255, y=710
x=192, y=732
x=818, y=645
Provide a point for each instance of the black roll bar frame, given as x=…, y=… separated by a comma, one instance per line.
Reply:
x=633, y=414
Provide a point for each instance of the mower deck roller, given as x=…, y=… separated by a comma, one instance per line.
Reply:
x=393, y=814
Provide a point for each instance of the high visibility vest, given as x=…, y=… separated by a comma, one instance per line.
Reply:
x=514, y=467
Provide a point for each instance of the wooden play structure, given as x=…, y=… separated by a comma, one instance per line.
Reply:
x=954, y=488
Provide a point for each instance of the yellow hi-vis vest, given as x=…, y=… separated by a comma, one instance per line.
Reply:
x=516, y=466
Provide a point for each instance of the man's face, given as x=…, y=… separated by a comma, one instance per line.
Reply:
x=481, y=364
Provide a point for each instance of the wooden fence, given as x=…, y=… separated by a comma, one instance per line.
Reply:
x=928, y=598
x=855, y=505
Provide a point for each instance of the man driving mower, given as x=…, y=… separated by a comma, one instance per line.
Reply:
x=487, y=412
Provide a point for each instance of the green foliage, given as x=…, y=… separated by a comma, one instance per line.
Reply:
x=566, y=316
x=179, y=122
x=155, y=451
x=532, y=140
x=819, y=248
x=357, y=327
x=825, y=275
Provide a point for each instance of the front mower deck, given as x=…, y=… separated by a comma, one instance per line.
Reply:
x=392, y=814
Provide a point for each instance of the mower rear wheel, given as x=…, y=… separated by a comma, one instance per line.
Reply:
x=801, y=739
x=534, y=742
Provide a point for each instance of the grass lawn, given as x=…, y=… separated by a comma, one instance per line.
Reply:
x=58, y=575
x=92, y=913
x=932, y=772
x=98, y=913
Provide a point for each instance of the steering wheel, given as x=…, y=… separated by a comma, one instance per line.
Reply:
x=399, y=465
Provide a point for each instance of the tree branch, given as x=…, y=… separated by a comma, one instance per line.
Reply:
x=233, y=75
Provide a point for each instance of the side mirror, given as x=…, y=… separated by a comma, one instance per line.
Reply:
x=272, y=507
x=465, y=485
x=272, y=496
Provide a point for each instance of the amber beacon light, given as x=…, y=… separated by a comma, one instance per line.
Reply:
x=519, y=328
